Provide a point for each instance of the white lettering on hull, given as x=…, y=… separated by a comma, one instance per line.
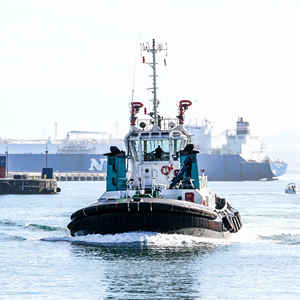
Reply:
x=97, y=165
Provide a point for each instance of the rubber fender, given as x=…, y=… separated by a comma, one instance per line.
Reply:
x=183, y=210
x=238, y=220
x=220, y=203
x=227, y=221
x=107, y=207
x=77, y=214
x=135, y=206
x=121, y=207
x=238, y=216
x=161, y=207
x=235, y=225
x=88, y=211
x=145, y=207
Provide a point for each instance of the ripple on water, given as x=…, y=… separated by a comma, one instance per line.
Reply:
x=44, y=227
x=283, y=238
x=8, y=237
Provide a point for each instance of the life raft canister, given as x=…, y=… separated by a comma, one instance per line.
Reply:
x=165, y=170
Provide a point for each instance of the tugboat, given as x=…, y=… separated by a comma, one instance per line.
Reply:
x=291, y=188
x=154, y=185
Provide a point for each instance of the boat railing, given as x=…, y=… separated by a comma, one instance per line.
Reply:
x=160, y=186
x=203, y=181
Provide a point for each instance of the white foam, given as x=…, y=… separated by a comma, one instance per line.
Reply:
x=131, y=237
x=247, y=234
x=119, y=238
x=263, y=234
x=145, y=238
x=244, y=236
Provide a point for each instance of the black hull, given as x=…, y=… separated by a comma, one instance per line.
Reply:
x=155, y=215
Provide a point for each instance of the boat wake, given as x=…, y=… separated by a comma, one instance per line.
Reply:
x=284, y=238
x=8, y=223
x=43, y=227
x=147, y=239
x=247, y=235
x=30, y=226
x=8, y=237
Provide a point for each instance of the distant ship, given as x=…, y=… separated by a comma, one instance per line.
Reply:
x=240, y=158
x=80, y=151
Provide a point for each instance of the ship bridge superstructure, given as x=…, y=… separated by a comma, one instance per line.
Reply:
x=240, y=142
x=154, y=153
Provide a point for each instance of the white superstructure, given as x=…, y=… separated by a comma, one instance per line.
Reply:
x=238, y=141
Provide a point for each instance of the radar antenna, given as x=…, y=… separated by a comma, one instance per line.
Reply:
x=145, y=47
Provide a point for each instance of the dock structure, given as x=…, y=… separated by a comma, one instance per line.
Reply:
x=24, y=185
x=80, y=176
x=59, y=176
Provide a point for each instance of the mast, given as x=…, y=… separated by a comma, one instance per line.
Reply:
x=155, y=103
x=153, y=50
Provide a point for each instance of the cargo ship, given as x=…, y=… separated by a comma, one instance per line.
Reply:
x=241, y=157
x=80, y=151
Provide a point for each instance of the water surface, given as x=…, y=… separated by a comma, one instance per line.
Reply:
x=40, y=260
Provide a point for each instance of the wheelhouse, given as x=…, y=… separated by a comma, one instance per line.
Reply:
x=157, y=146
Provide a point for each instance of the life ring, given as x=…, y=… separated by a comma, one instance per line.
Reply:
x=165, y=170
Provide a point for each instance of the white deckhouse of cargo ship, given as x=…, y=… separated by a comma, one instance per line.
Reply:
x=241, y=157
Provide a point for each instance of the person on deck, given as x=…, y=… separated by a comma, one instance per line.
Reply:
x=158, y=152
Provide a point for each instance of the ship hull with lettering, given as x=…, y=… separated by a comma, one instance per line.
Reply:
x=80, y=151
x=240, y=158
x=217, y=167
x=59, y=162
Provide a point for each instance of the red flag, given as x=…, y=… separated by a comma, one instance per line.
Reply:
x=143, y=59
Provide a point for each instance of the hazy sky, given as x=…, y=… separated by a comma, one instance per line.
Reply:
x=76, y=62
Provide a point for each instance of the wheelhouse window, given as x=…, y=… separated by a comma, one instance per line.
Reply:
x=156, y=150
x=177, y=145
